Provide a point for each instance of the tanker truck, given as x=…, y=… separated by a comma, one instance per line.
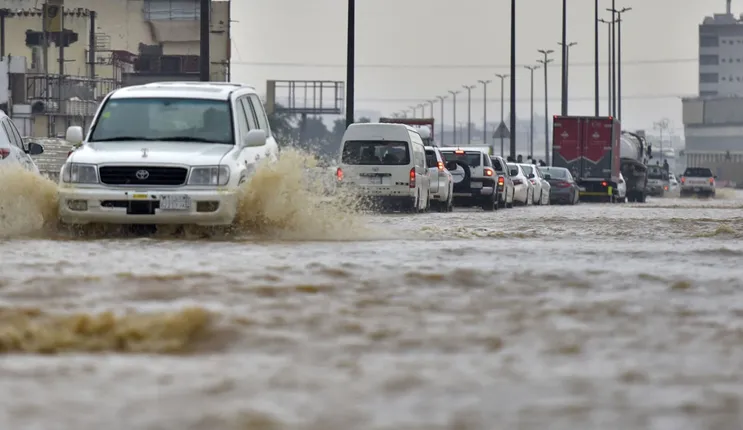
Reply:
x=633, y=156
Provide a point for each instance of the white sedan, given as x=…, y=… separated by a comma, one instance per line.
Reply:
x=541, y=192
x=523, y=190
x=13, y=151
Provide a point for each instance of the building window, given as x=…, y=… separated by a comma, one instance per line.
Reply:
x=171, y=10
x=709, y=60
x=707, y=93
x=709, y=78
x=709, y=41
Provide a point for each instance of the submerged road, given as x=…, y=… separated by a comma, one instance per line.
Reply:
x=593, y=316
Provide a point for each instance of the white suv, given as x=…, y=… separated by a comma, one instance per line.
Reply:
x=165, y=153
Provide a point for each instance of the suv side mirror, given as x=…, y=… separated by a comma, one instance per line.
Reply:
x=452, y=165
x=34, y=148
x=74, y=135
x=254, y=138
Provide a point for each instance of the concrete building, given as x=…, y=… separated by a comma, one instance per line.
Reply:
x=713, y=122
x=110, y=43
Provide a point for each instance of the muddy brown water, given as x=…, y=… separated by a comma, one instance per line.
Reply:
x=592, y=317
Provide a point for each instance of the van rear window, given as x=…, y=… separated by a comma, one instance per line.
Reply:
x=376, y=153
x=472, y=158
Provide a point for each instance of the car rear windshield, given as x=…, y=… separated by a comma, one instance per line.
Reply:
x=555, y=173
x=655, y=172
x=472, y=158
x=513, y=169
x=431, y=158
x=376, y=153
x=164, y=118
x=528, y=170
x=698, y=172
x=497, y=165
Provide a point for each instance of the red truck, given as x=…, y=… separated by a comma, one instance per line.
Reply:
x=588, y=146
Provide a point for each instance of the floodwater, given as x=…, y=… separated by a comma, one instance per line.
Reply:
x=597, y=316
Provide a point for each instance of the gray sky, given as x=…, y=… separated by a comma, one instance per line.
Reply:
x=472, y=32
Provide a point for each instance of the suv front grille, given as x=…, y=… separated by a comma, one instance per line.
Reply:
x=134, y=175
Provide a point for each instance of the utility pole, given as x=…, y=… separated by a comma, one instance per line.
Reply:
x=531, y=70
x=414, y=109
x=513, y=80
x=422, y=106
x=596, y=58
x=350, y=61
x=484, y=111
x=545, y=61
x=469, y=112
x=454, y=113
x=430, y=103
x=441, y=99
x=613, y=58
x=609, y=68
x=564, y=44
x=204, y=40
x=619, y=14
x=565, y=71
x=661, y=126
x=502, y=109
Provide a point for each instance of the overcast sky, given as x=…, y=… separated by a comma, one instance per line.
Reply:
x=472, y=38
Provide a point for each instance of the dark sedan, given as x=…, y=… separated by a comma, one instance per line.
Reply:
x=564, y=189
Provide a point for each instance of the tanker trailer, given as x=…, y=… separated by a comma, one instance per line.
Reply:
x=633, y=153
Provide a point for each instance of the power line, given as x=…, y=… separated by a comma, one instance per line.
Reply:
x=666, y=61
x=523, y=100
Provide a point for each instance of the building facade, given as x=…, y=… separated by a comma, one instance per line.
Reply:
x=107, y=44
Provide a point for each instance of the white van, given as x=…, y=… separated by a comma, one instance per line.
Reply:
x=388, y=163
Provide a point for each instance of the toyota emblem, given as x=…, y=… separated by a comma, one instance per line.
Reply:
x=142, y=175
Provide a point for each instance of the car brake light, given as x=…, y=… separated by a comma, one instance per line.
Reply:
x=603, y=184
x=501, y=181
x=517, y=182
x=489, y=172
x=412, y=177
x=459, y=152
x=4, y=153
x=339, y=174
x=665, y=188
x=683, y=179
x=711, y=180
x=441, y=165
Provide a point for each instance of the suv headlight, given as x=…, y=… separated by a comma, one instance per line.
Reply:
x=76, y=173
x=209, y=175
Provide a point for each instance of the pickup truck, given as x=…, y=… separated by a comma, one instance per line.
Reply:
x=697, y=181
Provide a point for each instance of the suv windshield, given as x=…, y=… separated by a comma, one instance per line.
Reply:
x=472, y=158
x=164, y=119
x=698, y=172
x=376, y=152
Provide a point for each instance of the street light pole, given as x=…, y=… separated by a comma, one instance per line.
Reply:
x=430, y=103
x=596, y=57
x=545, y=61
x=564, y=43
x=613, y=58
x=454, y=113
x=566, y=70
x=609, y=67
x=531, y=69
x=619, y=14
x=414, y=109
x=350, y=61
x=441, y=99
x=502, y=109
x=513, y=79
x=469, y=112
x=485, y=111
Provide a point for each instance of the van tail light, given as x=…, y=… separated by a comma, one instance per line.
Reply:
x=489, y=172
x=683, y=180
x=712, y=181
x=440, y=165
x=501, y=181
x=603, y=184
x=4, y=153
x=412, y=177
x=339, y=174
x=562, y=184
x=517, y=182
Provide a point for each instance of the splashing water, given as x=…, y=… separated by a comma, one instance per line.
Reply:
x=282, y=200
x=28, y=202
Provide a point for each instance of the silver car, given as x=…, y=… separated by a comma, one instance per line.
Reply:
x=442, y=184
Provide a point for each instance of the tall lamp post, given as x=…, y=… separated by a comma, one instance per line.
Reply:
x=565, y=71
x=414, y=109
x=469, y=112
x=513, y=80
x=350, y=61
x=531, y=70
x=618, y=63
x=430, y=103
x=564, y=44
x=502, y=109
x=544, y=62
x=610, y=68
x=441, y=99
x=454, y=113
x=596, y=57
x=484, y=111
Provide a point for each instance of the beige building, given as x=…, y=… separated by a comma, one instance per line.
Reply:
x=132, y=41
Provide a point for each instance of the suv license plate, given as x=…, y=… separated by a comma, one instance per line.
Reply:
x=175, y=203
x=476, y=184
